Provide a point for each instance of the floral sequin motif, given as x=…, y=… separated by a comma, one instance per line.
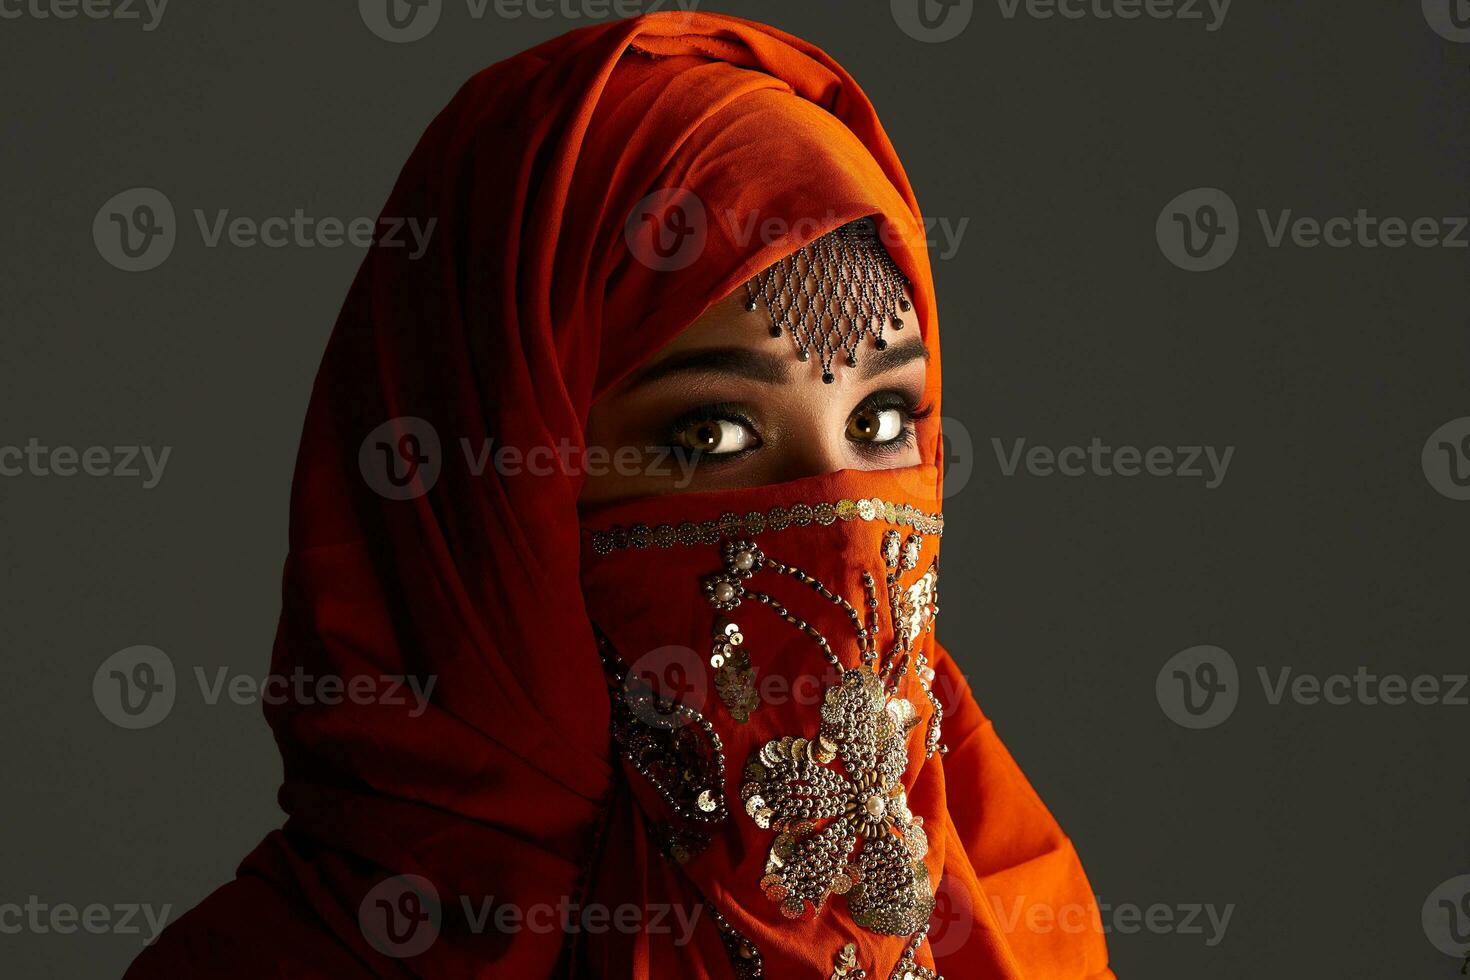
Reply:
x=918, y=603
x=872, y=847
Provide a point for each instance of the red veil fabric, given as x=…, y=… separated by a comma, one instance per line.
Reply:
x=528, y=303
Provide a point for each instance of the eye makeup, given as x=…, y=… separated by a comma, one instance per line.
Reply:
x=703, y=429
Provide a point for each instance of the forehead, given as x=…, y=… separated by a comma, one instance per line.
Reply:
x=728, y=323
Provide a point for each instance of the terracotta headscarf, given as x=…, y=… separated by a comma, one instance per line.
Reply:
x=531, y=789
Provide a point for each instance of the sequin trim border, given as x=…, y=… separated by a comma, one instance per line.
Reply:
x=619, y=538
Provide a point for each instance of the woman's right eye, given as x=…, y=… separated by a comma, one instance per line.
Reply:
x=715, y=437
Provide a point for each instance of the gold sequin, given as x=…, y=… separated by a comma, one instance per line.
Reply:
x=823, y=513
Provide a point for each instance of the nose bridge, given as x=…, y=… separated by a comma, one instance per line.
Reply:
x=814, y=447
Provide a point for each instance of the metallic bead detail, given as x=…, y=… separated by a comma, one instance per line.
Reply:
x=680, y=755
x=619, y=538
x=745, y=958
x=790, y=790
x=669, y=744
x=742, y=558
x=680, y=846
x=832, y=292
x=724, y=590
x=844, y=965
x=891, y=544
x=911, y=546
x=734, y=675
x=907, y=968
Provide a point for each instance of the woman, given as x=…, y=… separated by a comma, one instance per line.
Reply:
x=638, y=466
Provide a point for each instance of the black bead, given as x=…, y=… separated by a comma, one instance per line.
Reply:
x=827, y=377
x=881, y=344
x=775, y=331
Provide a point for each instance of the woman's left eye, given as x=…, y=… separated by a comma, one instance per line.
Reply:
x=875, y=425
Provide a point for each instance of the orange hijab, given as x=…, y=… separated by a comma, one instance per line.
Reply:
x=477, y=835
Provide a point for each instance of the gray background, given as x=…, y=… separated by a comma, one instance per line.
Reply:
x=1324, y=549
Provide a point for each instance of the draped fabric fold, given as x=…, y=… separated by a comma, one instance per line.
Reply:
x=421, y=561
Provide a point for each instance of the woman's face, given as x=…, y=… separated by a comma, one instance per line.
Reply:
x=736, y=408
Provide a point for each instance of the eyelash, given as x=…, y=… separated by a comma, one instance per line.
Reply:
x=878, y=401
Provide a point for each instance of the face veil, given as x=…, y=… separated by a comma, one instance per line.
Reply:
x=411, y=829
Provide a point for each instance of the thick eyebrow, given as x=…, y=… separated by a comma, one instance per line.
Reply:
x=891, y=358
x=766, y=367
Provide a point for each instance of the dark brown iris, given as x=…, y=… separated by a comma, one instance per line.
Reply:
x=864, y=426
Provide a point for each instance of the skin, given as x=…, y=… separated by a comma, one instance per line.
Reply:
x=726, y=384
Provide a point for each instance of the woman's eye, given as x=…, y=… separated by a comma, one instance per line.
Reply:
x=715, y=437
x=875, y=425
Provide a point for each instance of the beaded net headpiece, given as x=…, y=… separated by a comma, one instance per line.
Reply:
x=832, y=292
